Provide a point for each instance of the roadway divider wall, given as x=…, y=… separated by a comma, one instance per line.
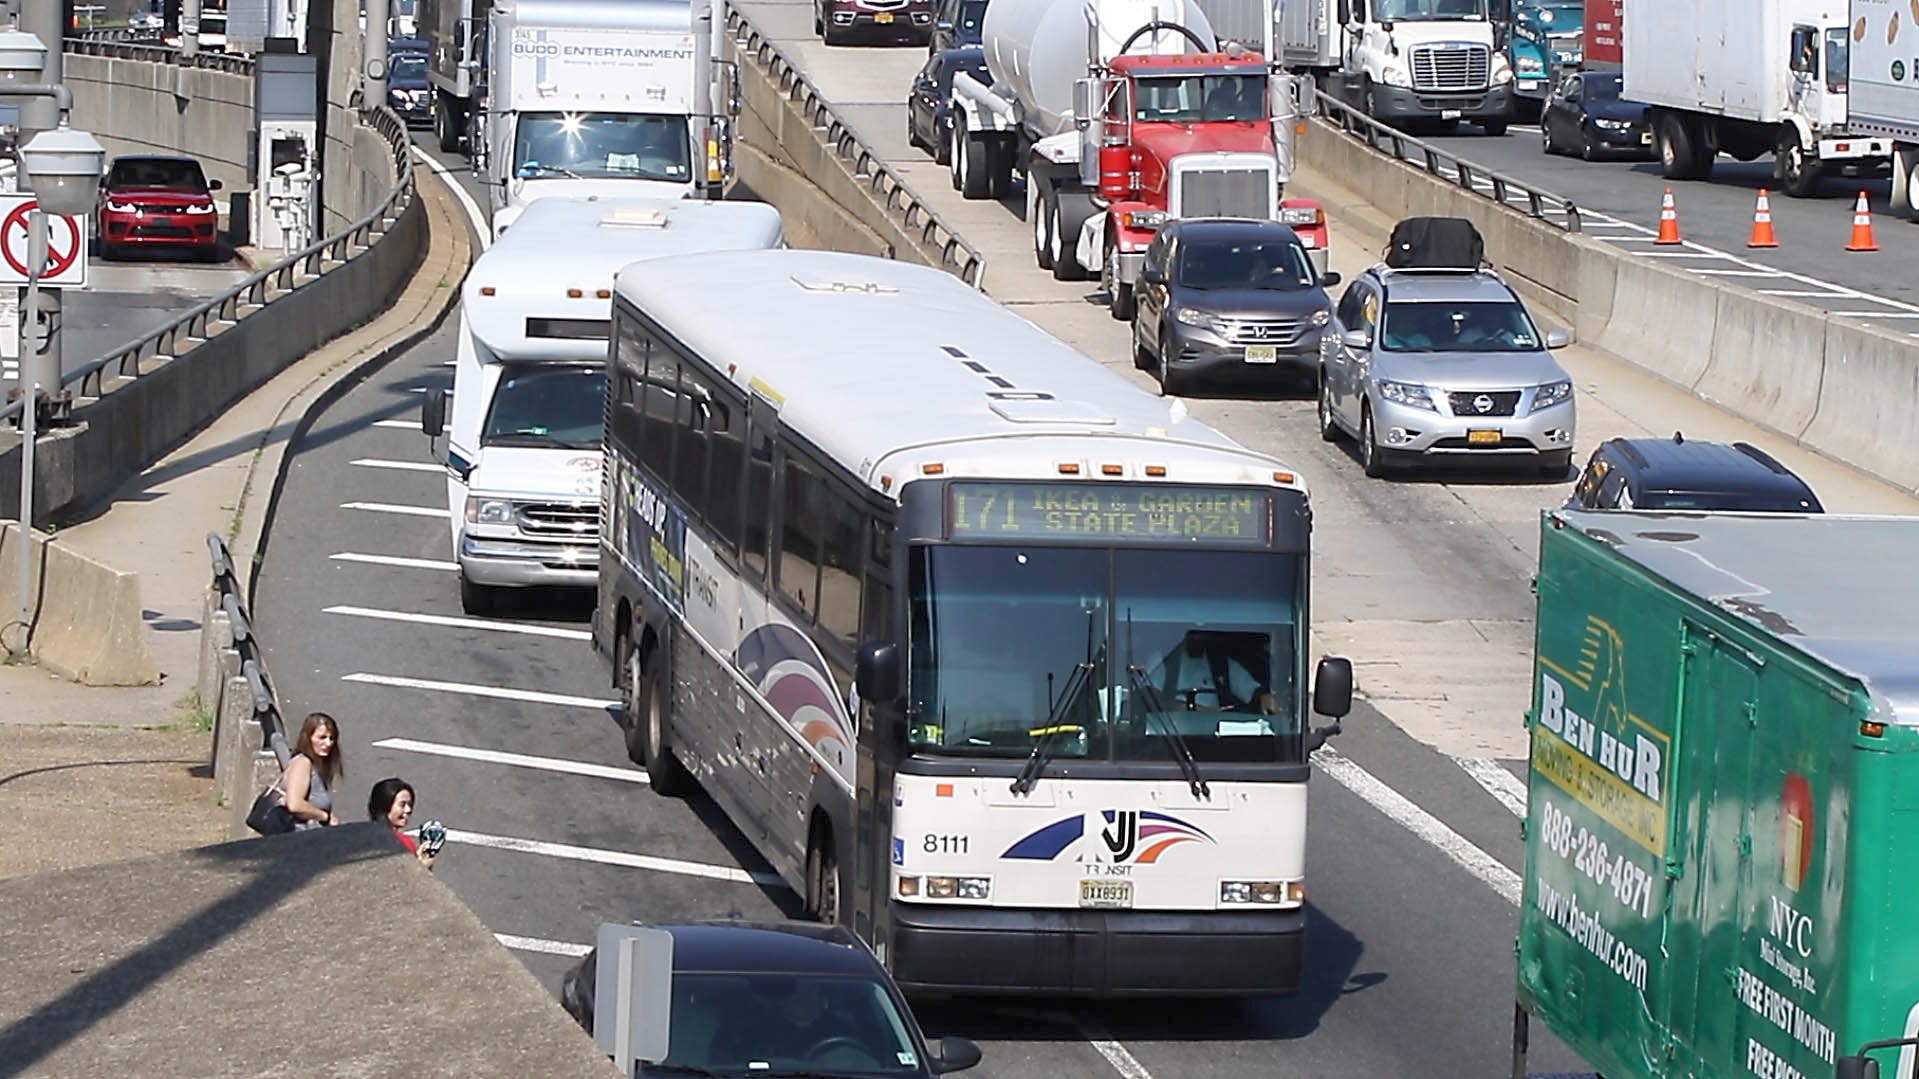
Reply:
x=84, y=617
x=139, y=99
x=1835, y=385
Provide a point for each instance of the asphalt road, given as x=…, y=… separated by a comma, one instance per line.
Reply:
x=1718, y=215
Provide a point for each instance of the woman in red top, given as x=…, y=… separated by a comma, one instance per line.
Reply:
x=392, y=802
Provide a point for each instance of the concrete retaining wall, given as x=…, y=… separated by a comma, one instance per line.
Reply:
x=140, y=107
x=85, y=615
x=1834, y=385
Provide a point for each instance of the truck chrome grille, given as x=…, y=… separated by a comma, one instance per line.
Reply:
x=1229, y=192
x=1262, y=331
x=559, y=520
x=1451, y=68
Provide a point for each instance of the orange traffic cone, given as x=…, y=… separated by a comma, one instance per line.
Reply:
x=1762, y=223
x=1862, y=227
x=1668, y=221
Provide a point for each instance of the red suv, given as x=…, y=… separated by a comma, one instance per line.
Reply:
x=163, y=202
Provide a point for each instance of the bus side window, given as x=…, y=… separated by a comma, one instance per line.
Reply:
x=799, y=565
x=727, y=444
x=840, y=566
x=759, y=492
x=698, y=412
x=628, y=371
x=660, y=431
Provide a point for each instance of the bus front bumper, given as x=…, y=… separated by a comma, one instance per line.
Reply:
x=1092, y=953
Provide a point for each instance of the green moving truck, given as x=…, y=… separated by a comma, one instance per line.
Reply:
x=1722, y=839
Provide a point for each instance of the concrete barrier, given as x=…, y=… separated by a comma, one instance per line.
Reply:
x=1865, y=413
x=142, y=107
x=1662, y=320
x=1768, y=360
x=85, y=617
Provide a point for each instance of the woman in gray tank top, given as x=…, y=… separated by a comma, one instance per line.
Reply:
x=314, y=773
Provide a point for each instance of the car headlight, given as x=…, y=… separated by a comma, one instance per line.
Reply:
x=1204, y=320
x=1393, y=75
x=209, y=208
x=1552, y=393
x=1319, y=318
x=488, y=511
x=122, y=207
x=1410, y=394
x=1532, y=65
x=1611, y=125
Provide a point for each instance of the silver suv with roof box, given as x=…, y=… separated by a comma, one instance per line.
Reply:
x=1444, y=366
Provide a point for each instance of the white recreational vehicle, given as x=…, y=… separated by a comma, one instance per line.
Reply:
x=522, y=429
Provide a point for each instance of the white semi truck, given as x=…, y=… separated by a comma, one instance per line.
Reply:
x=584, y=97
x=1403, y=60
x=1122, y=115
x=1884, y=97
x=1752, y=78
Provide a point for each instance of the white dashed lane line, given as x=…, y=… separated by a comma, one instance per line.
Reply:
x=542, y=945
x=396, y=561
x=389, y=507
x=513, y=760
x=399, y=466
x=1498, y=782
x=451, y=622
x=499, y=693
x=601, y=856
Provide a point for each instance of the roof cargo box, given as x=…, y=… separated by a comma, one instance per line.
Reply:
x=1435, y=243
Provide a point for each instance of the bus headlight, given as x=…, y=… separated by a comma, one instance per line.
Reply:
x=1262, y=892
x=974, y=888
x=488, y=511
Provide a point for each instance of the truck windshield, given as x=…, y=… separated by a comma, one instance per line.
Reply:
x=599, y=145
x=1191, y=646
x=1200, y=98
x=546, y=405
x=1428, y=10
x=1457, y=327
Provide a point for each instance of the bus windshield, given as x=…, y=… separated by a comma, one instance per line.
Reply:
x=557, y=405
x=1198, y=646
x=599, y=145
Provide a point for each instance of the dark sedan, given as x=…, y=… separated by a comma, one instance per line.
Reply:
x=407, y=89
x=1587, y=114
x=785, y=998
x=928, y=124
x=1229, y=299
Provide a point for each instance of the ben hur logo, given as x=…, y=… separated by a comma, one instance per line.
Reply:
x=1591, y=745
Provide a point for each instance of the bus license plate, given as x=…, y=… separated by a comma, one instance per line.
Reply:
x=1262, y=353
x=1106, y=894
x=883, y=18
x=1483, y=438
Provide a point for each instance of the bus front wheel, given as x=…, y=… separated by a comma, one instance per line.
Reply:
x=664, y=772
x=632, y=677
x=823, y=880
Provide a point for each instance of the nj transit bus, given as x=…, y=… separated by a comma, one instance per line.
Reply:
x=998, y=659
x=522, y=448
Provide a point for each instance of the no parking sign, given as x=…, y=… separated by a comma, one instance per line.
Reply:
x=66, y=245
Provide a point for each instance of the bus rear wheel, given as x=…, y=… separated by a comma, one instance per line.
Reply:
x=667, y=776
x=632, y=703
x=823, y=880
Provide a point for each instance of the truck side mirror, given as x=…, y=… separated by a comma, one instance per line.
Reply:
x=433, y=413
x=877, y=672
x=1333, y=687
x=1345, y=12
x=1860, y=1067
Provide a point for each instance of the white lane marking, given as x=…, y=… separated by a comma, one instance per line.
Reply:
x=1739, y=273
x=1801, y=294
x=1123, y=1062
x=516, y=760
x=448, y=363
x=1493, y=776
x=483, y=235
x=622, y=858
x=1408, y=815
x=499, y=693
x=1685, y=255
x=1606, y=223
x=545, y=947
x=404, y=425
x=1879, y=314
x=394, y=560
x=463, y=623
x=398, y=466
x=388, y=507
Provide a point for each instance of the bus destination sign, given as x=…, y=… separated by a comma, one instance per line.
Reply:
x=1229, y=516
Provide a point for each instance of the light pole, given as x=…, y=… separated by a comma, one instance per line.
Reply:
x=64, y=166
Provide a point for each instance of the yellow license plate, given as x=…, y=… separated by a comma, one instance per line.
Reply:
x=1483, y=438
x=883, y=19
x=1106, y=894
x=1262, y=354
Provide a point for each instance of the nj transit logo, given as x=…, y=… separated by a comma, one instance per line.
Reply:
x=1127, y=836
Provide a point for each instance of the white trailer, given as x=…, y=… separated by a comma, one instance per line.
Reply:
x=1884, y=92
x=1402, y=60
x=522, y=429
x=1748, y=78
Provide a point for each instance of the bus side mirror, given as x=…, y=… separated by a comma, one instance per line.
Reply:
x=433, y=413
x=1333, y=687
x=1861, y=1067
x=877, y=672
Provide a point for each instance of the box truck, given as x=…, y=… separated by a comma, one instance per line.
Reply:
x=1885, y=87
x=1723, y=806
x=1749, y=78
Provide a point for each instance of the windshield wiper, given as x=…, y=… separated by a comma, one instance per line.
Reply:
x=541, y=435
x=1148, y=694
x=545, y=170
x=1029, y=772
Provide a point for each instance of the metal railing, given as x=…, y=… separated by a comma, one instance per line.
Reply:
x=892, y=189
x=1498, y=187
x=253, y=664
x=153, y=51
x=179, y=337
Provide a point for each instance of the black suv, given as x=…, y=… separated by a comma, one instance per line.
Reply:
x=1674, y=474
x=956, y=23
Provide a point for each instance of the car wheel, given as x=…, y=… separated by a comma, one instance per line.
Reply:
x=913, y=130
x=1371, y=456
x=953, y=156
x=632, y=703
x=819, y=22
x=1142, y=356
x=477, y=598
x=1545, y=136
x=971, y=165
x=1328, y=426
x=942, y=148
x=1172, y=383
x=1588, y=149
x=665, y=774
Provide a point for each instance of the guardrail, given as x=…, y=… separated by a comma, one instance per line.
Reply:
x=894, y=192
x=178, y=338
x=241, y=661
x=1446, y=164
x=153, y=51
